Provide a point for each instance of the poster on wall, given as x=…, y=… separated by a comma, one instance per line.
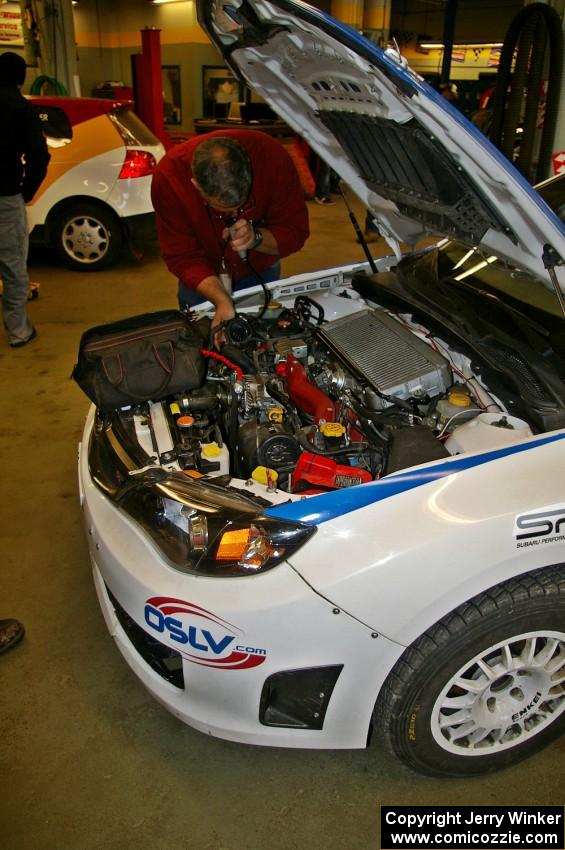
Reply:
x=559, y=162
x=494, y=57
x=458, y=54
x=219, y=90
x=11, y=31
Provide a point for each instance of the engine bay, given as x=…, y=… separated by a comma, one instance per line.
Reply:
x=303, y=400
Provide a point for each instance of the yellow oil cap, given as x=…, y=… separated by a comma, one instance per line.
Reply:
x=211, y=450
x=262, y=475
x=459, y=396
x=275, y=414
x=332, y=429
x=175, y=409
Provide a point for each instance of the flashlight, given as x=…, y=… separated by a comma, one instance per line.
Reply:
x=229, y=223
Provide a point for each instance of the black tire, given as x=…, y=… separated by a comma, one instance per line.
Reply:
x=88, y=236
x=512, y=707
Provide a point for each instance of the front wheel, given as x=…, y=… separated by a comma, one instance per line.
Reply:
x=88, y=237
x=485, y=686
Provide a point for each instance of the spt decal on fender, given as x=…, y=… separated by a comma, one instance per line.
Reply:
x=199, y=635
x=544, y=525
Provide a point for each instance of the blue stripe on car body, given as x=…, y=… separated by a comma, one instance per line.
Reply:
x=316, y=510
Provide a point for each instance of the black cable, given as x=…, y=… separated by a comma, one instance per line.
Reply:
x=244, y=255
x=343, y=450
x=266, y=293
x=535, y=76
x=505, y=76
x=514, y=99
x=555, y=75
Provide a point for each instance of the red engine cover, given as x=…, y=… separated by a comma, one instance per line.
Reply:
x=323, y=473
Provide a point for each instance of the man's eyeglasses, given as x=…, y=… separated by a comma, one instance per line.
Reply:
x=230, y=218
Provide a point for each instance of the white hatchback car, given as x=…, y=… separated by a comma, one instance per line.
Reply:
x=96, y=195
x=356, y=522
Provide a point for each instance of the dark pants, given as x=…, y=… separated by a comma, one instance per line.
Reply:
x=190, y=298
x=13, y=268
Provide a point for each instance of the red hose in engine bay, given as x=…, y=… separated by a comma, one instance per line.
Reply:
x=316, y=403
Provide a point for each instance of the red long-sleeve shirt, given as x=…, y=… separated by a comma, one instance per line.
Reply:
x=190, y=231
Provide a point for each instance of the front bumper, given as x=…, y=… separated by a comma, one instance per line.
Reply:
x=274, y=623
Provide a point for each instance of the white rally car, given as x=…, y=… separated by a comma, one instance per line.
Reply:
x=356, y=523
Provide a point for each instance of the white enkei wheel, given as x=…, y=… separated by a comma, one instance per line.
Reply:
x=484, y=687
x=503, y=696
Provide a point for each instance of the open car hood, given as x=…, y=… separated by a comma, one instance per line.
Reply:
x=419, y=166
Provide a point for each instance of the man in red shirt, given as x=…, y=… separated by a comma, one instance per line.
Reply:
x=227, y=203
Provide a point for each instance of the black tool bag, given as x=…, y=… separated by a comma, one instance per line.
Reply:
x=143, y=358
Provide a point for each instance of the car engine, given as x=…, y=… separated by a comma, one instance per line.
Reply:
x=306, y=405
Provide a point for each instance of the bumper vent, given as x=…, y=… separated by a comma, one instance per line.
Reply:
x=163, y=660
x=298, y=699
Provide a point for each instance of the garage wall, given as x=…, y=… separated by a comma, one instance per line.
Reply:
x=109, y=33
x=477, y=21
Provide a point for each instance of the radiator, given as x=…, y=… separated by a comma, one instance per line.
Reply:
x=387, y=355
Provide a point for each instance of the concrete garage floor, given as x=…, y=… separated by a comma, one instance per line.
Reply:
x=88, y=759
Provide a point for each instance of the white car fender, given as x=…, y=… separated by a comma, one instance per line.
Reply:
x=77, y=181
x=402, y=563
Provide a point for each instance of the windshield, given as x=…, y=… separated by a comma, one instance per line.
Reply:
x=475, y=267
x=481, y=270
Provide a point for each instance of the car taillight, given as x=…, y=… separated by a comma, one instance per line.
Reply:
x=137, y=164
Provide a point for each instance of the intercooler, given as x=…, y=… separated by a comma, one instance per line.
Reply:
x=387, y=355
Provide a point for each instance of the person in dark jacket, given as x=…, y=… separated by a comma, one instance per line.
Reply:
x=23, y=165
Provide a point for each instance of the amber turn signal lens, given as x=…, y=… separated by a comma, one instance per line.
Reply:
x=233, y=545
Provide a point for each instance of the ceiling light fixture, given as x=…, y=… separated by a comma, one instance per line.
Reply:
x=438, y=45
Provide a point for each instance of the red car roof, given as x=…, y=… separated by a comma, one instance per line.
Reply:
x=79, y=109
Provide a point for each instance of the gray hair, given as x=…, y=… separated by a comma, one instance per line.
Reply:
x=222, y=169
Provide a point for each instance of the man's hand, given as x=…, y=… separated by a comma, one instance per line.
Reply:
x=213, y=290
x=240, y=235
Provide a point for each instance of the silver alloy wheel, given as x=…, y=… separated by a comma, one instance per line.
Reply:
x=86, y=239
x=503, y=696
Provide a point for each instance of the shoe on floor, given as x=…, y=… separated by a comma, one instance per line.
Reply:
x=11, y=633
x=21, y=342
x=325, y=202
x=33, y=291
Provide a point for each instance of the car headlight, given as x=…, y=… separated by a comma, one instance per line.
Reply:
x=203, y=528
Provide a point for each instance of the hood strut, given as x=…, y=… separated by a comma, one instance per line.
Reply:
x=358, y=232
x=551, y=259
